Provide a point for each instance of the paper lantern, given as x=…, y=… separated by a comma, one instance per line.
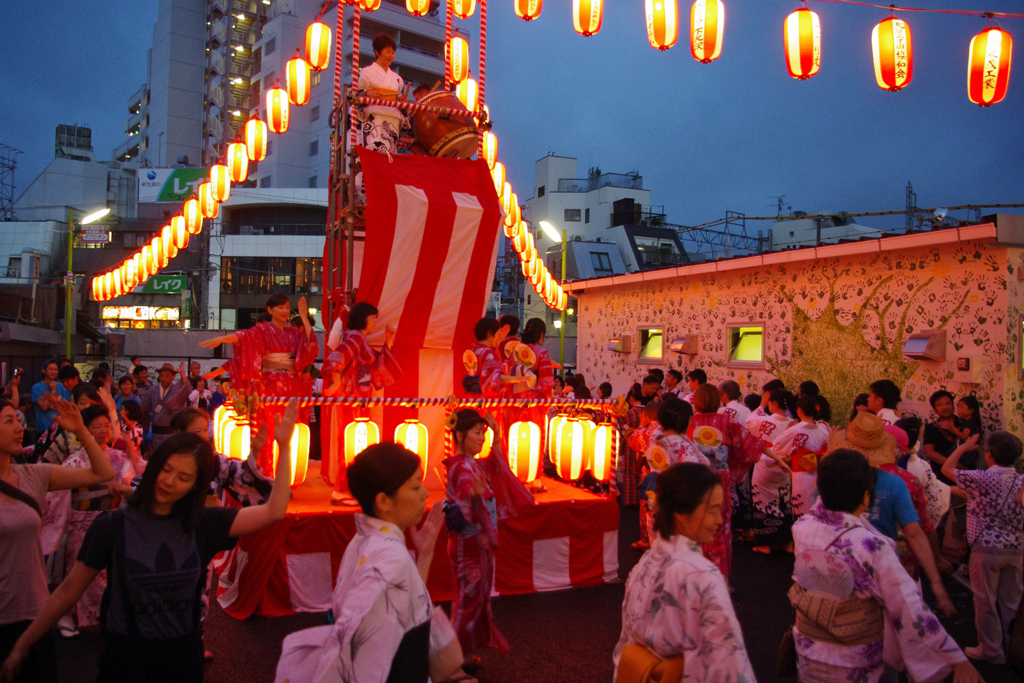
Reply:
x=108, y=285
x=141, y=273
x=988, y=66
x=277, y=110
x=506, y=198
x=298, y=450
x=586, y=16
x=115, y=277
x=256, y=139
x=515, y=213
x=707, y=24
x=296, y=73
x=220, y=182
x=511, y=230
x=179, y=232
x=662, y=23
x=318, y=48
x=208, y=205
x=97, y=289
x=236, y=439
x=570, y=444
x=167, y=241
x=463, y=9
x=132, y=272
x=193, y=217
x=359, y=434
x=458, y=59
x=604, y=439
x=893, y=54
x=519, y=241
x=221, y=416
x=157, y=249
x=466, y=91
x=802, y=37
x=238, y=162
x=417, y=8
x=485, y=451
x=528, y=10
x=554, y=424
x=524, y=450
x=369, y=5
x=498, y=174
x=490, y=146
x=412, y=434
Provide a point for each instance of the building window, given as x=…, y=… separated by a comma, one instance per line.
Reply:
x=270, y=147
x=268, y=80
x=315, y=80
x=651, y=345
x=312, y=181
x=746, y=345
x=540, y=191
x=270, y=46
x=573, y=215
x=265, y=181
x=602, y=263
x=314, y=113
x=586, y=216
x=314, y=148
x=307, y=274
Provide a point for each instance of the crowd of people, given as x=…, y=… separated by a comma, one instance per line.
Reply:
x=114, y=510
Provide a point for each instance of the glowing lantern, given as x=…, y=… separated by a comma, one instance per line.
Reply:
x=359, y=434
x=148, y=260
x=519, y=242
x=130, y=278
x=498, y=174
x=524, y=450
x=179, y=232
x=157, y=250
x=115, y=277
x=586, y=16
x=528, y=10
x=238, y=162
x=296, y=73
x=463, y=9
x=707, y=24
x=193, y=217
x=235, y=439
x=167, y=242
x=506, y=198
x=220, y=182
x=417, y=8
x=277, y=110
x=553, y=426
x=467, y=93
x=511, y=230
x=662, y=23
x=485, y=450
x=490, y=148
x=141, y=274
x=802, y=36
x=369, y=5
x=97, y=289
x=893, y=54
x=988, y=67
x=256, y=139
x=568, y=456
x=298, y=450
x=604, y=440
x=318, y=47
x=208, y=205
x=458, y=59
x=220, y=419
x=413, y=435
x=513, y=216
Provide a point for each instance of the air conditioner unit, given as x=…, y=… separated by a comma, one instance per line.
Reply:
x=926, y=345
x=621, y=344
x=690, y=345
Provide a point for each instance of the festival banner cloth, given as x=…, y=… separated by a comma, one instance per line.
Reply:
x=432, y=229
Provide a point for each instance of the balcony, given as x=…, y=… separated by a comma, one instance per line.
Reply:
x=232, y=228
x=626, y=181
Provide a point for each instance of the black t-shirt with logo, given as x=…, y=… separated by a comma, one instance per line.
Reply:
x=163, y=566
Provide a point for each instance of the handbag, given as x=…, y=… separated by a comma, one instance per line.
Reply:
x=637, y=664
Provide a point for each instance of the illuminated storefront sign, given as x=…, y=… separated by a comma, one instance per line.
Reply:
x=141, y=317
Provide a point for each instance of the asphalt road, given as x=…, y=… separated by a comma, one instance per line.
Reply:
x=566, y=636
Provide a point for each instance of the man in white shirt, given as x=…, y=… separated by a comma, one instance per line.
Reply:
x=672, y=380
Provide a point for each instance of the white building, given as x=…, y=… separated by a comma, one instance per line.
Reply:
x=803, y=232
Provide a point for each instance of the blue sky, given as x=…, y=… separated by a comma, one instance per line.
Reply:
x=730, y=135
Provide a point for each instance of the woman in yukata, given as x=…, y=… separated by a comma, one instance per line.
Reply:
x=771, y=486
x=677, y=601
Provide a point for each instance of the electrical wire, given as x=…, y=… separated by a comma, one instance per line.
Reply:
x=897, y=8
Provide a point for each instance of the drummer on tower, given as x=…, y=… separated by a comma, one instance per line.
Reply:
x=381, y=126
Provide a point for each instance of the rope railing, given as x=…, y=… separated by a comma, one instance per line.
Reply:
x=451, y=401
x=414, y=106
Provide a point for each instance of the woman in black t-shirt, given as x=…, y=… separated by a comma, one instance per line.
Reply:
x=156, y=551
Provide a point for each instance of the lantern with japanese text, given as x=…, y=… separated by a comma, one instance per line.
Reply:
x=604, y=441
x=553, y=426
x=498, y=174
x=802, y=37
x=988, y=66
x=490, y=145
x=159, y=256
x=586, y=16
x=463, y=9
x=514, y=214
x=512, y=230
x=193, y=217
x=115, y=277
x=662, y=23
x=569, y=454
x=528, y=10
x=412, y=434
x=132, y=273
x=458, y=59
x=179, y=232
x=707, y=25
x=108, y=285
x=149, y=259
x=256, y=139
x=417, y=8
x=220, y=182
x=506, y=198
x=524, y=450
x=318, y=47
x=298, y=449
x=466, y=91
x=893, y=54
x=296, y=74
x=519, y=241
x=167, y=241
x=141, y=274
x=238, y=162
x=277, y=110
x=359, y=434
x=208, y=205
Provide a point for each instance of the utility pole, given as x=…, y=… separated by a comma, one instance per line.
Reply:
x=69, y=285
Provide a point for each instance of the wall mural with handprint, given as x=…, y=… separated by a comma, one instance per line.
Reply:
x=839, y=321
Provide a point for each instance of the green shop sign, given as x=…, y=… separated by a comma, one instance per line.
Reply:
x=164, y=284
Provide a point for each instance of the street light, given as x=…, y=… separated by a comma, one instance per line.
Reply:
x=69, y=278
x=552, y=234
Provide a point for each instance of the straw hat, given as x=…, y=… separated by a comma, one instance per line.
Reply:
x=866, y=434
x=167, y=367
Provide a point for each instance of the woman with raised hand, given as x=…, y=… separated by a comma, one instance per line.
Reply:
x=155, y=551
x=23, y=491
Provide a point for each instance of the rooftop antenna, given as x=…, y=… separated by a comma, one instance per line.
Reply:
x=8, y=161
